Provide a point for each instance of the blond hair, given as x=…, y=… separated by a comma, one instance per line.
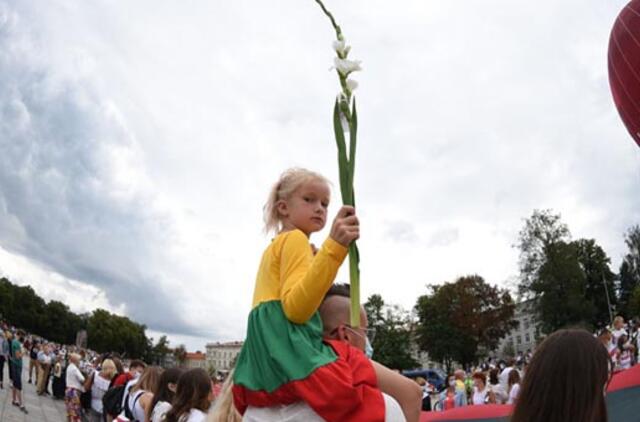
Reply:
x=148, y=380
x=290, y=181
x=108, y=368
x=224, y=410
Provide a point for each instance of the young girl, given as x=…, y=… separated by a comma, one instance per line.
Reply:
x=284, y=359
x=193, y=397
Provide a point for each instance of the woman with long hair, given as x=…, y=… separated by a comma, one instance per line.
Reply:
x=193, y=397
x=141, y=393
x=513, y=386
x=565, y=381
x=163, y=395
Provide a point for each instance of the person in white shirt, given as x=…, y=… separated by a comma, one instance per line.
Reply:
x=75, y=387
x=98, y=383
x=504, y=375
x=140, y=395
x=494, y=385
x=481, y=393
x=618, y=330
x=513, y=386
x=194, y=394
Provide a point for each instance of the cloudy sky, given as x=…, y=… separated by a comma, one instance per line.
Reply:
x=138, y=142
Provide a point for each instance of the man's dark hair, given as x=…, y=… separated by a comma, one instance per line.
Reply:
x=339, y=289
x=136, y=363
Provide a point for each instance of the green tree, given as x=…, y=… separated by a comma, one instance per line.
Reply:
x=633, y=306
x=629, y=274
x=392, y=343
x=599, y=279
x=160, y=350
x=180, y=353
x=456, y=320
x=563, y=277
x=109, y=332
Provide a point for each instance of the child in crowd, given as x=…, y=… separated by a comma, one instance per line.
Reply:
x=284, y=359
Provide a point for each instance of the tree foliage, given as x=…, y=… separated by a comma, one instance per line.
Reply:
x=56, y=322
x=568, y=280
x=457, y=320
x=24, y=308
x=392, y=343
x=629, y=275
x=109, y=332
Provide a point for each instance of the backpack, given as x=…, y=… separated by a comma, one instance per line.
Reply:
x=112, y=400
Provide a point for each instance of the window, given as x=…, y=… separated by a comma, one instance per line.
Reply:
x=527, y=338
x=526, y=324
x=519, y=339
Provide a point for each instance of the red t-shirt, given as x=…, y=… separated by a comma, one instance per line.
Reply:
x=122, y=379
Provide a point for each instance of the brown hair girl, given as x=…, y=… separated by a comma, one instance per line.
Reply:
x=565, y=380
x=193, y=392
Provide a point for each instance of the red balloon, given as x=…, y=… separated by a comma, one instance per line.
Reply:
x=624, y=66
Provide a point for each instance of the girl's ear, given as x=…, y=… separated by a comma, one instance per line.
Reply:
x=282, y=208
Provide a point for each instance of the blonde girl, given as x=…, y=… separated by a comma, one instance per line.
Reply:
x=284, y=359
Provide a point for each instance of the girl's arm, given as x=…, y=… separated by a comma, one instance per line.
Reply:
x=305, y=279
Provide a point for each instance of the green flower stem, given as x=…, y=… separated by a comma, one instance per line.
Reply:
x=346, y=168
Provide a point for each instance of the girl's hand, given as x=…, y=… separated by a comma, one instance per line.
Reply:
x=346, y=227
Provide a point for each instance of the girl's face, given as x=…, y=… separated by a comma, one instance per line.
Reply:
x=306, y=209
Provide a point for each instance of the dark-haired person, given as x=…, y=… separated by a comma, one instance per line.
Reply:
x=193, y=397
x=494, y=385
x=136, y=368
x=4, y=355
x=15, y=350
x=513, y=390
x=624, y=354
x=164, y=394
x=33, y=361
x=481, y=393
x=565, y=381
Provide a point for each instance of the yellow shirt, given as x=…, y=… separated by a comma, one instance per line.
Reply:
x=290, y=273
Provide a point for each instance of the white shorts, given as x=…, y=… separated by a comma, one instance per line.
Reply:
x=302, y=412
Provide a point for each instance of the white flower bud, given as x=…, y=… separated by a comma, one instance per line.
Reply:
x=345, y=67
x=339, y=46
x=352, y=85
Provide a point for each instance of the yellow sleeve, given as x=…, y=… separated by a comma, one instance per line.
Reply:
x=304, y=278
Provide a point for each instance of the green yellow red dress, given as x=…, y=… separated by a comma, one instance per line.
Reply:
x=284, y=358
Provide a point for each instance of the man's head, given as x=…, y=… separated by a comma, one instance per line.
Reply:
x=459, y=375
x=335, y=314
x=136, y=368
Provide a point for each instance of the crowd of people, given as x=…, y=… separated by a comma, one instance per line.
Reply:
x=500, y=382
x=104, y=388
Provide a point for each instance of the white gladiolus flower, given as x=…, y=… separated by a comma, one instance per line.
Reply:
x=352, y=85
x=345, y=66
x=340, y=46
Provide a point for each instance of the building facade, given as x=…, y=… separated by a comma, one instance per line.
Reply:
x=196, y=360
x=525, y=336
x=222, y=356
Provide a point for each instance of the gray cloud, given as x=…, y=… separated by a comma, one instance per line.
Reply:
x=60, y=202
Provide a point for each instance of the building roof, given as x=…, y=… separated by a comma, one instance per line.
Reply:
x=226, y=344
x=196, y=356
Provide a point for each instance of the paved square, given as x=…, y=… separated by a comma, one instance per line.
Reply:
x=41, y=408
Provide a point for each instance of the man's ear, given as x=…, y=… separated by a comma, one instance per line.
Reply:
x=343, y=333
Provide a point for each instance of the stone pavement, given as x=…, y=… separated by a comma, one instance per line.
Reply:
x=41, y=408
